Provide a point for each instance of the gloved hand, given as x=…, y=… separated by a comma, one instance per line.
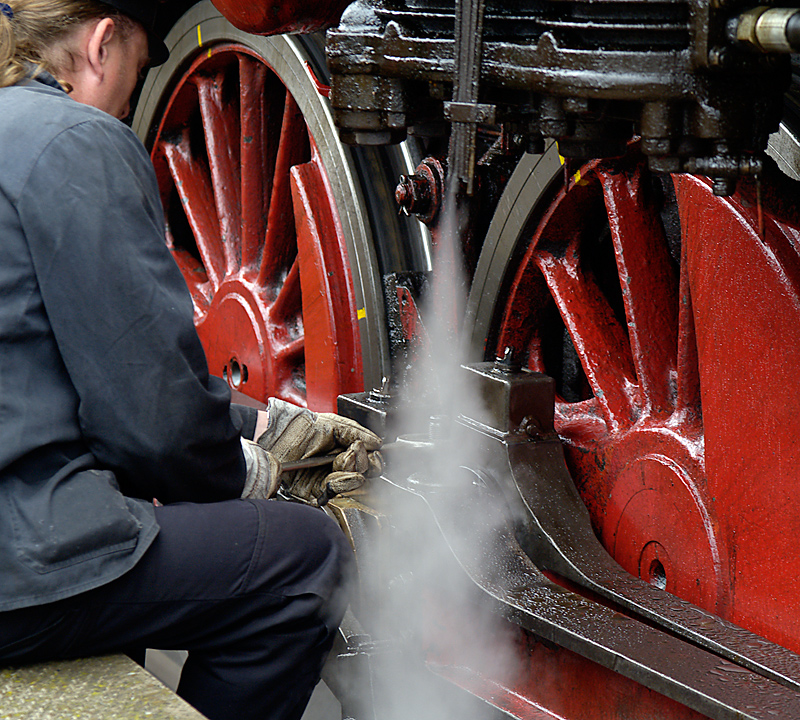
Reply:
x=263, y=472
x=295, y=433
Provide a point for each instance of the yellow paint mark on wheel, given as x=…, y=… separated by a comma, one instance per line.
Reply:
x=361, y=313
x=577, y=176
x=200, y=41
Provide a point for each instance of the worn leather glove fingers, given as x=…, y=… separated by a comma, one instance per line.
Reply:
x=337, y=483
x=263, y=472
x=357, y=459
x=312, y=485
x=354, y=459
x=303, y=484
x=375, y=465
x=346, y=431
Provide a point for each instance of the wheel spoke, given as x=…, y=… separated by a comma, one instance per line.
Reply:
x=688, y=391
x=221, y=129
x=582, y=422
x=287, y=303
x=291, y=353
x=195, y=276
x=596, y=334
x=255, y=182
x=648, y=283
x=327, y=297
x=194, y=189
x=280, y=242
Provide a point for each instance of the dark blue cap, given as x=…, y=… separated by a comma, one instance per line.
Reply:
x=145, y=12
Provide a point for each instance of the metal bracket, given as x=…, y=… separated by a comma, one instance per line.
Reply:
x=470, y=112
x=468, y=50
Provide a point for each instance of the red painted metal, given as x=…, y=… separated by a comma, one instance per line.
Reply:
x=697, y=497
x=327, y=295
x=322, y=88
x=745, y=289
x=410, y=316
x=253, y=227
x=271, y=17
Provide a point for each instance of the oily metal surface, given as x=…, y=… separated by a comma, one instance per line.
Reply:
x=567, y=545
x=593, y=75
x=679, y=670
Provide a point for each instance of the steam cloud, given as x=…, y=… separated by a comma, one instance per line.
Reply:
x=426, y=615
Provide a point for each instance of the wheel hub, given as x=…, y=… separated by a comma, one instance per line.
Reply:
x=238, y=345
x=655, y=513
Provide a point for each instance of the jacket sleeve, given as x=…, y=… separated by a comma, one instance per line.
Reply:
x=122, y=318
x=245, y=418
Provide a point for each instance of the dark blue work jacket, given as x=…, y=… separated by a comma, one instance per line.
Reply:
x=105, y=397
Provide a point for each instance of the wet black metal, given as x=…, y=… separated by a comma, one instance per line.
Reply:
x=590, y=74
x=463, y=111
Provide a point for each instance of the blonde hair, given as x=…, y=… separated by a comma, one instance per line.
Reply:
x=32, y=35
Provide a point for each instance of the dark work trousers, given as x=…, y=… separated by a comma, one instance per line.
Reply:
x=254, y=590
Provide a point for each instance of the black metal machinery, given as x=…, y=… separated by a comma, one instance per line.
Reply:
x=700, y=81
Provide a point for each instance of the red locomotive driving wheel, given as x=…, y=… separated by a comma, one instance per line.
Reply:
x=264, y=214
x=670, y=319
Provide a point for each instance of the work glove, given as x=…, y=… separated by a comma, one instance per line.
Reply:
x=263, y=472
x=295, y=433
